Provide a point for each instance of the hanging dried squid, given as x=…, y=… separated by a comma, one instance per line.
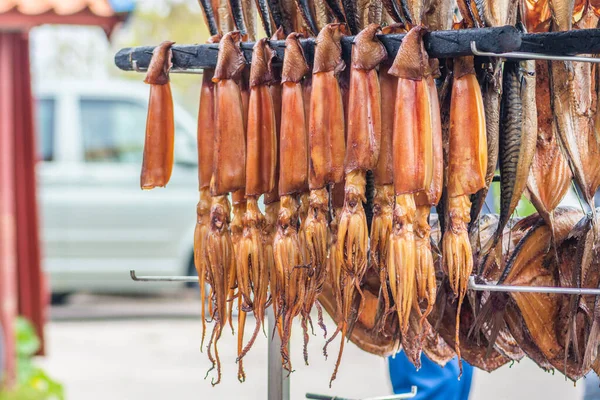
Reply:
x=157, y=163
x=261, y=157
x=363, y=142
x=288, y=286
x=383, y=174
x=425, y=272
x=413, y=164
x=326, y=147
x=228, y=175
x=206, y=140
x=272, y=200
x=466, y=175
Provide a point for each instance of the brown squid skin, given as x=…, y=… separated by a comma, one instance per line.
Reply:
x=326, y=118
x=413, y=164
x=205, y=134
x=293, y=174
x=466, y=175
x=364, y=138
x=327, y=149
x=227, y=176
x=383, y=174
x=220, y=259
x=260, y=178
x=229, y=160
x=157, y=163
x=425, y=272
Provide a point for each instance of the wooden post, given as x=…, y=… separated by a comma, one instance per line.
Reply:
x=8, y=292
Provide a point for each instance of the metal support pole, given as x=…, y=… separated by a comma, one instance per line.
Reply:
x=279, y=381
x=531, y=289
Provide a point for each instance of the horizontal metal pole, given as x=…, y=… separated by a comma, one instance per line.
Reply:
x=503, y=41
x=472, y=285
x=162, y=278
x=439, y=44
x=400, y=396
x=533, y=56
x=531, y=289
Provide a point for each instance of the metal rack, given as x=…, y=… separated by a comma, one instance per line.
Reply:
x=504, y=42
x=473, y=285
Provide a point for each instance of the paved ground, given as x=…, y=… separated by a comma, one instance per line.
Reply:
x=148, y=348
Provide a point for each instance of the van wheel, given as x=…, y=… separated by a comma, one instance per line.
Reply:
x=192, y=272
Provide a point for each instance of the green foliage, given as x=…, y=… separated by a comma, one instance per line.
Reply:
x=32, y=382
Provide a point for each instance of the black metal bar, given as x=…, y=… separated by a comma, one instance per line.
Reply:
x=579, y=41
x=439, y=44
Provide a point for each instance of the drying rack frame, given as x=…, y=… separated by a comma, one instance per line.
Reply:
x=501, y=42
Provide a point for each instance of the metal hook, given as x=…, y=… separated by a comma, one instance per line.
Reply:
x=532, y=56
x=532, y=289
x=135, y=67
x=136, y=278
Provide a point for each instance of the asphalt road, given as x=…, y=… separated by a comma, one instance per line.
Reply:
x=104, y=347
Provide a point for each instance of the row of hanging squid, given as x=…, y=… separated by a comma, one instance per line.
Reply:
x=348, y=160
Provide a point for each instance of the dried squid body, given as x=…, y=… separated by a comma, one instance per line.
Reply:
x=227, y=176
x=364, y=139
x=466, y=175
x=383, y=174
x=413, y=165
x=424, y=200
x=157, y=163
x=261, y=151
x=206, y=135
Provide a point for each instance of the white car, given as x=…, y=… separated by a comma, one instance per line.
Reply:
x=96, y=222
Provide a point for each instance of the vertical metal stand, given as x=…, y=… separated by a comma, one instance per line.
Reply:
x=279, y=382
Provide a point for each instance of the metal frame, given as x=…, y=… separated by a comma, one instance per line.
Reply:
x=503, y=42
x=409, y=395
x=531, y=289
x=532, y=56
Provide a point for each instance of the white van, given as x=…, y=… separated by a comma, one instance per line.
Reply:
x=96, y=222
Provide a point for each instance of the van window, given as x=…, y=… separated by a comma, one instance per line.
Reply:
x=113, y=130
x=45, y=129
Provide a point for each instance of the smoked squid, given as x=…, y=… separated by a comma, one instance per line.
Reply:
x=206, y=139
x=466, y=175
x=227, y=176
x=327, y=146
x=363, y=143
x=383, y=174
x=425, y=272
x=413, y=164
x=261, y=156
x=289, y=285
x=157, y=163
